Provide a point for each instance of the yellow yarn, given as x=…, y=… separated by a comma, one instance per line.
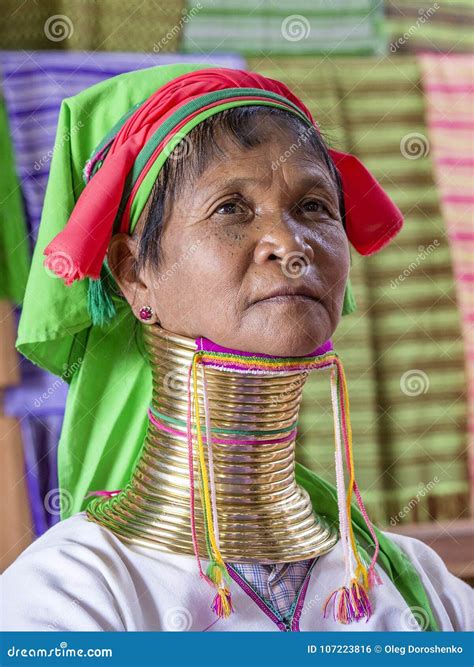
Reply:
x=202, y=461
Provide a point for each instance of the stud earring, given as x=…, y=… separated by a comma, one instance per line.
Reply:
x=146, y=313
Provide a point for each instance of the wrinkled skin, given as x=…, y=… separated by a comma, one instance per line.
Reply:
x=236, y=235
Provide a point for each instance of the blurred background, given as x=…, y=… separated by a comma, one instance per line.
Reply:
x=391, y=82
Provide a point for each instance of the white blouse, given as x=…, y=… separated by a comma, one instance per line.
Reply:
x=80, y=577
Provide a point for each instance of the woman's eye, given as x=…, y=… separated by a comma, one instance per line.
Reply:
x=230, y=208
x=312, y=206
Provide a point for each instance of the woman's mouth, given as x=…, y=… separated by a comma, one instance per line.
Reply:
x=286, y=295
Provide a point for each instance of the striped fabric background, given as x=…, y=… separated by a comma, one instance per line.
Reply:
x=277, y=27
x=92, y=25
x=430, y=25
x=403, y=348
x=448, y=82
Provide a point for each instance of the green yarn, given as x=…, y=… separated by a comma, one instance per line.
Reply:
x=99, y=298
x=350, y=304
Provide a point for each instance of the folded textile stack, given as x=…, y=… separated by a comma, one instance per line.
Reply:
x=285, y=27
x=107, y=25
x=426, y=25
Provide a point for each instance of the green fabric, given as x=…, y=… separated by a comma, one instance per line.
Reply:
x=106, y=367
x=14, y=244
x=286, y=27
x=107, y=25
x=421, y=25
x=391, y=558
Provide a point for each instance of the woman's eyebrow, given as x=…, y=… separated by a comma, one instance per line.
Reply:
x=309, y=180
x=233, y=182
x=319, y=180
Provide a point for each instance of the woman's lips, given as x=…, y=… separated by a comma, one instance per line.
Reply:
x=288, y=295
x=287, y=299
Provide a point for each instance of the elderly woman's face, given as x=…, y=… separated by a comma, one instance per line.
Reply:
x=253, y=255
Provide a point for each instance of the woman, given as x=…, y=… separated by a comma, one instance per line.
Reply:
x=215, y=215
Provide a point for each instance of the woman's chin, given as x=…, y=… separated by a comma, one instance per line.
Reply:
x=294, y=348
x=283, y=341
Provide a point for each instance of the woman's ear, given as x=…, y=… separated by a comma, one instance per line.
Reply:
x=122, y=256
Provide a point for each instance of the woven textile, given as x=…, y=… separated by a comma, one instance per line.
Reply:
x=449, y=88
x=107, y=25
x=415, y=321
x=427, y=25
x=277, y=27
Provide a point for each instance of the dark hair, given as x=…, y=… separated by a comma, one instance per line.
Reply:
x=193, y=154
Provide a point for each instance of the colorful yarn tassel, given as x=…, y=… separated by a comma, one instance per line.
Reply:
x=350, y=604
x=222, y=605
x=100, y=305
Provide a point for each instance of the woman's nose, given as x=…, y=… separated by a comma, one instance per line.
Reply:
x=284, y=243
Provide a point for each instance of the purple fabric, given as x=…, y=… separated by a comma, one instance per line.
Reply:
x=40, y=437
x=38, y=404
x=34, y=84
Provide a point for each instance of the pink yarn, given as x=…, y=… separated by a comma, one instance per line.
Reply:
x=169, y=429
